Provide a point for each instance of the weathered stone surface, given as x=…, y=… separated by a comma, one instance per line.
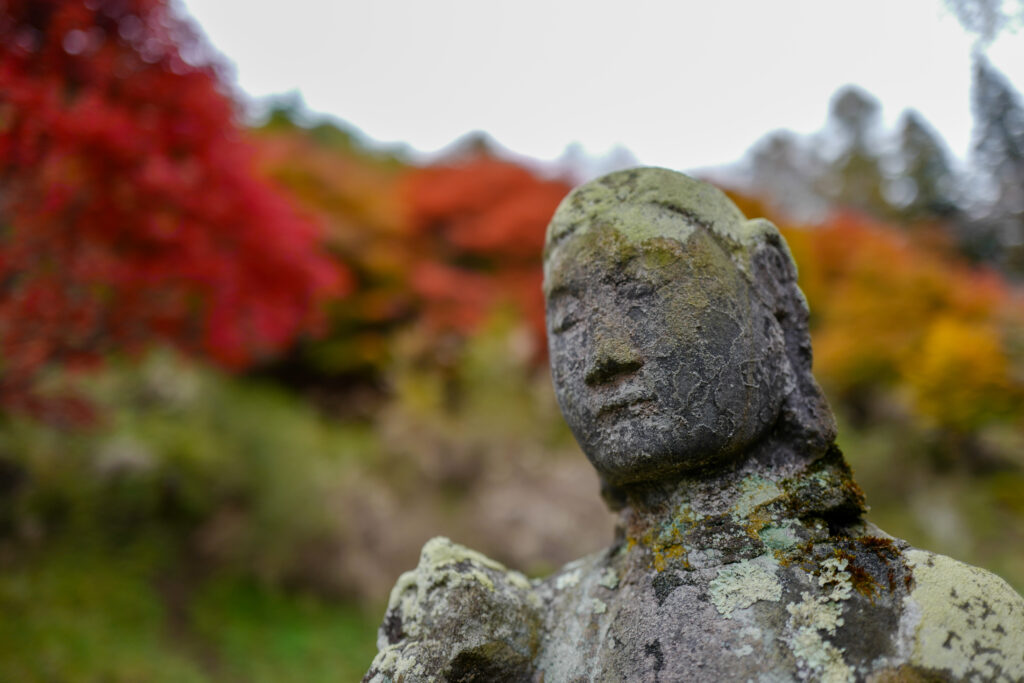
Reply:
x=682, y=363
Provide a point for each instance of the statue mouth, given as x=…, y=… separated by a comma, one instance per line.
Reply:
x=625, y=402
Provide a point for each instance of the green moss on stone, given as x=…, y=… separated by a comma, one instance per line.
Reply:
x=645, y=205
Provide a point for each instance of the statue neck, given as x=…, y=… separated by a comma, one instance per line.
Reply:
x=737, y=512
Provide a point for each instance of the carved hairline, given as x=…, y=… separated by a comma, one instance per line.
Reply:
x=697, y=203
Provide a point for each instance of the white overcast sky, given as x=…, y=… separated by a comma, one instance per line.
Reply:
x=680, y=83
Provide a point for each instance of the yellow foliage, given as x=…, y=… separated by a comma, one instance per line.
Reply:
x=960, y=378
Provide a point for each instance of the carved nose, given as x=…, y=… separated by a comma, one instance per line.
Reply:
x=612, y=357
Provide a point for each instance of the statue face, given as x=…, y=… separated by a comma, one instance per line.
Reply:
x=663, y=358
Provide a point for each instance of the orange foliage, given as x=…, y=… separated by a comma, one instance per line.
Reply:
x=353, y=194
x=889, y=313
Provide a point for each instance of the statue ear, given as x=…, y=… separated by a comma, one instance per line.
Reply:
x=775, y=279
x=772, y=268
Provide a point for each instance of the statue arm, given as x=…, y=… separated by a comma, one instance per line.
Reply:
x=458, y=616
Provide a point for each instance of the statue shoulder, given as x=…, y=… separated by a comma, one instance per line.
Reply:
x=963, y=620
x=458, y=613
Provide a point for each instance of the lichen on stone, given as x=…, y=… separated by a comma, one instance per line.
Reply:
x=779, y=537
x=442, y=561
x=817, y=616
x=393, y=664
x=754, y=491
x=440, y=551
x=568, y=579
x=657, y=199
x=982, y=636
x=740, y=585
x=610, y=579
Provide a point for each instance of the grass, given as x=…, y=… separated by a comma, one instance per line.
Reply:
x=263, y=634
x=88, y=615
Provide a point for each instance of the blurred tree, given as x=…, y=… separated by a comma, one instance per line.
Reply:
x=437, y=250
x=354, y=193
x=961, y=379
x=987, y=18
x=999, y=158
x=856, y=179
x=856, y=112
x=926, y=185
x=788, y=171
x=907, y=177
x=479, y=225
x=130, y=209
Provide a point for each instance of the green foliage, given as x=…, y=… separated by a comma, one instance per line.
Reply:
x=487, y=389
x=263, y=634
x=84, y=613
x=247, y=468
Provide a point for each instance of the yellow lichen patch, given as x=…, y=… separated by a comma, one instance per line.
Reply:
x=664, y=556
x=667, y=541
x=971, y=621
x=740, y=585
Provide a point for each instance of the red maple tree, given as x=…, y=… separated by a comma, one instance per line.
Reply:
x=480, y=223
x=130, y=208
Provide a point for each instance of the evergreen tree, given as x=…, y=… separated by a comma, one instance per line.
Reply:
x=999, y=158
x=856, y=178
x=788, y=171
x=927, y=182
x=999, y=135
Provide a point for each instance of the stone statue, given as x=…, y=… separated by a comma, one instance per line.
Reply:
x=682, y=363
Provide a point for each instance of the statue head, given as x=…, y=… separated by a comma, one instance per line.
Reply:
x=678, y=336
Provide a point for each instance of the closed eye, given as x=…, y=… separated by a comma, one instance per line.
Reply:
x=565, y=323
x=638, y=290
x=565, y=313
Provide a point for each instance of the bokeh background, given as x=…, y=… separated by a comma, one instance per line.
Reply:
x=251, y=357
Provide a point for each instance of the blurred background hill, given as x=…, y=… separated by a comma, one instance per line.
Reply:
x=251, y=360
